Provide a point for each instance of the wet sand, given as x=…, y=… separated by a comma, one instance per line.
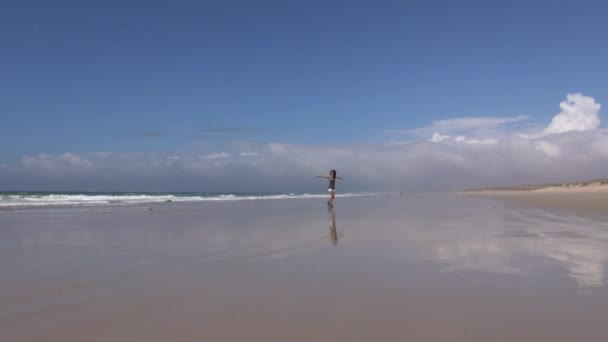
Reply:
x=418, y=268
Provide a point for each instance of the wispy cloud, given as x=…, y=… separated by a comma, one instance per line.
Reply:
x=216, y=156
x=249, y=154
x=462, y=126
x=58, y=165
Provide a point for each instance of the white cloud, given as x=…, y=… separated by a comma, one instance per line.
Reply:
x=216, y=156
x=461, y=139
x=445, y=162
x=470, y=123
x=277, y=148
x=549, y=149
x=488, y=141
x=49, y=162
x=579, y=113
x=249, y=154
x=454, y=163
x=473, y=125
x=438, y=137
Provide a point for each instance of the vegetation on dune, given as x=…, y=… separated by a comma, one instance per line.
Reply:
x=531, y=187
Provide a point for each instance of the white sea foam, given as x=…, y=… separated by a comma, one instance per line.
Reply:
x=38, y=200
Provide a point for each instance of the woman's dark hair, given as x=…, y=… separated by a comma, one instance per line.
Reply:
x=333, y=172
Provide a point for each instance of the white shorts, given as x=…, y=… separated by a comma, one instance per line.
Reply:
x=331, y=190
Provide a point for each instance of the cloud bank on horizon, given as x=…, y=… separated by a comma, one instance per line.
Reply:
x=446, y=155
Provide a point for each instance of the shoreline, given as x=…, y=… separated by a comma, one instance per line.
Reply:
x=75, y=200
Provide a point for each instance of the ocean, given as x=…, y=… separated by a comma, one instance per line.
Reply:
x=42, y=199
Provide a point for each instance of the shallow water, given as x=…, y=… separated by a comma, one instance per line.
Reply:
x=419, y=267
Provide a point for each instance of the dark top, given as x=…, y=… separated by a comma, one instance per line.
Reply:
x=332, y=183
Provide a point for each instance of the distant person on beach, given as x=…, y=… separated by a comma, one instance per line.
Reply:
x=332, y=186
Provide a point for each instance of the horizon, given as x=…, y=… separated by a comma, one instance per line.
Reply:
x=579, y=182
x=261, y=97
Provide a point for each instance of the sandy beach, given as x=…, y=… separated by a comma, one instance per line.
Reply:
x=588, y=200
x=417, y=268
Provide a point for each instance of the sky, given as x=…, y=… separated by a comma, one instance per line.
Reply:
x=263, y=95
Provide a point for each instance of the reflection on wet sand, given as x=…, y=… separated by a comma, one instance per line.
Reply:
x=431, y=268
x=333, y=232
x=579, y=245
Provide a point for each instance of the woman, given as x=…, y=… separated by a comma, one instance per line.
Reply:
x=332, y=186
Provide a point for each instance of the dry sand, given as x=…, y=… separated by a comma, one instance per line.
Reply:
x=588, y=200
x=419, y=268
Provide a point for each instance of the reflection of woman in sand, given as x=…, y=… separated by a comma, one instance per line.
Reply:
x=333, y=231
x=332, y=186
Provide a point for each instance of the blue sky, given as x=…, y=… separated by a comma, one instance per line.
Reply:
x=198, y=78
